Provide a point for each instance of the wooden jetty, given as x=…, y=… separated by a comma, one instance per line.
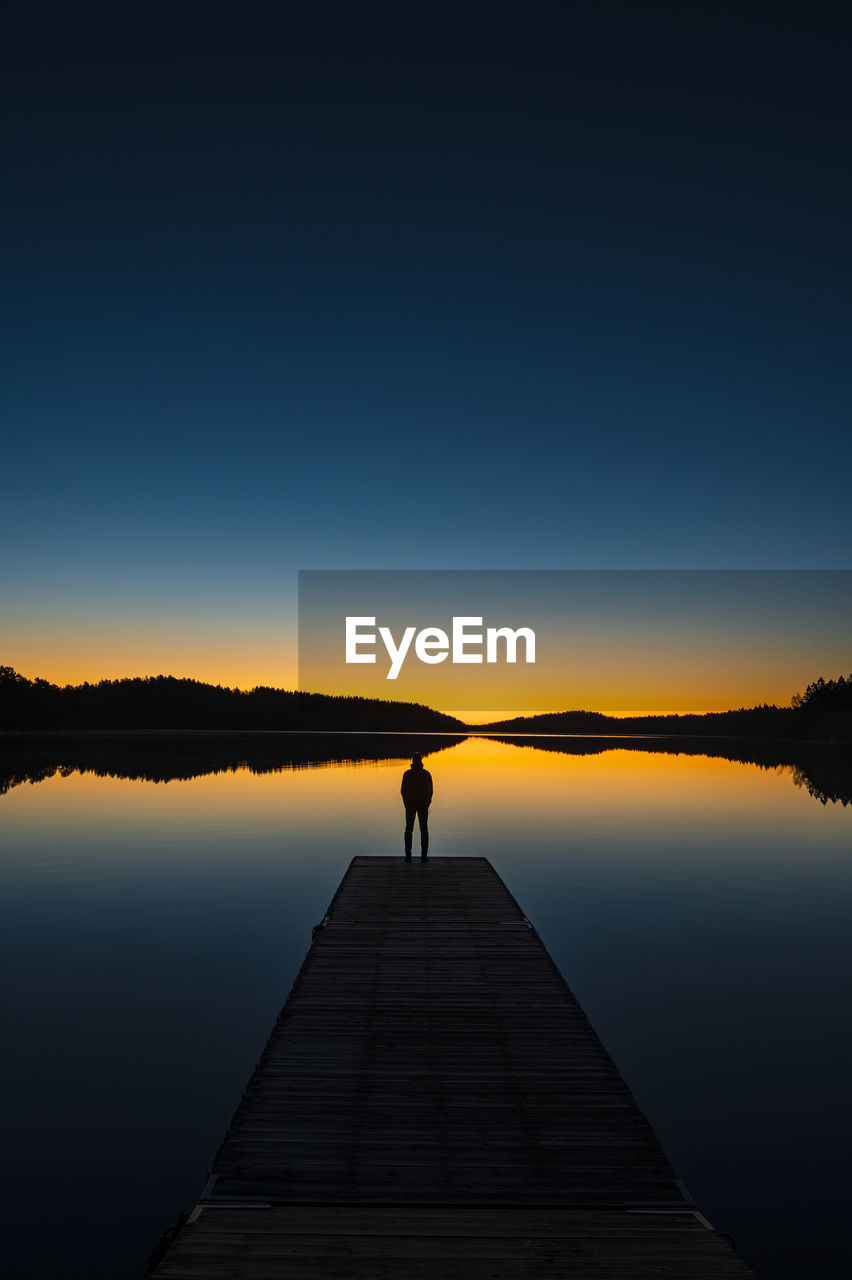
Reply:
x=434, y=1102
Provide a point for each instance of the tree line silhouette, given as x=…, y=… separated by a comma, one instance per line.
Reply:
x=822, y=713
x=164, y=702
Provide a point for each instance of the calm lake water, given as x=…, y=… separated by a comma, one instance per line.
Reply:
x=699, y=908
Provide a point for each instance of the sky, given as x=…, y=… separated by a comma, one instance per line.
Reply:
x=405, y=286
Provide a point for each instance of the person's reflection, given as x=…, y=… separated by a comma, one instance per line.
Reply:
x=416, y=791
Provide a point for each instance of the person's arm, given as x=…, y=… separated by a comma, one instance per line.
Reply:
x=429, y=788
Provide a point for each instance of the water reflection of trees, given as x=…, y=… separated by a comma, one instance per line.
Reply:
x=166, y=757
x=824, y=770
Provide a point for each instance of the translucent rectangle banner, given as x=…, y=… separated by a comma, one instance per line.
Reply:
x=491, y=644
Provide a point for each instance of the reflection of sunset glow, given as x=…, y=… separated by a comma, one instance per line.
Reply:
x=476, y=781
x=641, y=780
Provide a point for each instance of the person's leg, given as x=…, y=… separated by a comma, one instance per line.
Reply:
x=409, y=829
x=423, y=816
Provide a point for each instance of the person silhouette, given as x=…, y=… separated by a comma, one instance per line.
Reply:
x=416, y=792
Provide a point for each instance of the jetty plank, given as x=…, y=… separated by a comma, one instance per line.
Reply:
x=433, y=1097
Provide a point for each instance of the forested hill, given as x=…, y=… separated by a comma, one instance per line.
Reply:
x=823, y=712
x=164, y=702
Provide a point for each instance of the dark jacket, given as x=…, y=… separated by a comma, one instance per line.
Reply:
x=416, y=789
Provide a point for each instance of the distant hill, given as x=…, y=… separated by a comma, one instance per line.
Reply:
x=822, y=713
x=756, y=720
x=164, y=702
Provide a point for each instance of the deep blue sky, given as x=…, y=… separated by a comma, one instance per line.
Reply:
x=562, y=287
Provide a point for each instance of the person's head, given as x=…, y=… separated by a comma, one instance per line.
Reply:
x=417, y=761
